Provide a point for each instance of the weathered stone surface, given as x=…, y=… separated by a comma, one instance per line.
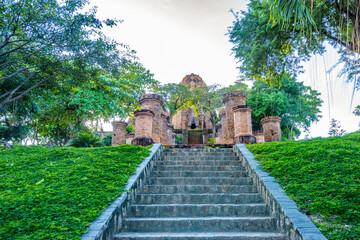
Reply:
x=119, y=132
x=232, y=99
x=260, y=137
x=153, y=102
x=272, y=130
x=243, y=124
x=129, y=137
x=142, y=141
x=164, y=127
x=244, y=139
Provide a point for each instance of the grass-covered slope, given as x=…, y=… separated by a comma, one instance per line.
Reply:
x=323, y=176
x=55, y=193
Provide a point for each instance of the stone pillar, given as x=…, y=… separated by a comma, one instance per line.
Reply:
x=164, y=122
x=205, y=133
x=153, y=102
x=272, y=130
x=119, y=132
x=260, y=138
x=143, y=129
x=185, y=136
x=224, y=129
x=169, y=137
x=243, y=125
x=219, y=135
x=232, y=99
x=183, y=119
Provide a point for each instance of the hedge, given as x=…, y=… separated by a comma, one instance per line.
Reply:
x=323, y=176
x=56, y=193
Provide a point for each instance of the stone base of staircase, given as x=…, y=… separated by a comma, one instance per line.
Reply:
x=199, y=193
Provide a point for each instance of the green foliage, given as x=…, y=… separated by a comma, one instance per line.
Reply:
x=55, y=193
x=265, y=50
x=107, y=140
x=273, y=36
x=58, y=70
x=296, y=104
x=322, y=176
x=86, y=140
x=130, y=128
x=175, y=96
x=335, y=128
x=178, y=139
x=356, y=112
x=212, y=140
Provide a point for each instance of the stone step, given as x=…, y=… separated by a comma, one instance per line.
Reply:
x=202, y=160
x=204, y=198
x=197, y=168
x=183, y=224
x=186, y=150
x=200, y=180
x=202, y=155
x=200, y=236
x=174, y=189
x=199, y=174
x=198, y=210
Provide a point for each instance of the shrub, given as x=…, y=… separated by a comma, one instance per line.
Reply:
x=86, y=140
x=130, y=128
x=107, y=140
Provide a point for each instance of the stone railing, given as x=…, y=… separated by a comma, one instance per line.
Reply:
x=110, y=220
x=290, y=220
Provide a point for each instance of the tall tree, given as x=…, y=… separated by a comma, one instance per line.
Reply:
x=297, y=105
x=56, y=63
x=280, y=33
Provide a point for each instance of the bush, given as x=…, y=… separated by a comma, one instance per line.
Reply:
x=323, y=176
x=86, y=140
x=130, y=128
x=107, y=140
x=55, y=193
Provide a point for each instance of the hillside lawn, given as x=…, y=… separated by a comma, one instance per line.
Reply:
x=56, y=193
x=322, y=175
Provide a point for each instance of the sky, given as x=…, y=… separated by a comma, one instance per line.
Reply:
x=174, y=38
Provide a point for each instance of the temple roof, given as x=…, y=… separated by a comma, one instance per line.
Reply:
x=193, y=80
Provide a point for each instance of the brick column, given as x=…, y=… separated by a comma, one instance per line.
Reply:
x=260, y=138
x=183, y=119
x=119, y=132
x=143, y=129
x=232, y=99
x=224, y=130
x=164, y=122
x=153, y=102
x=272, y=130
x=169, y=136
x=243, y=125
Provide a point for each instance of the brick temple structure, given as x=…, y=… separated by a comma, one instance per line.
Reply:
x=153, y=125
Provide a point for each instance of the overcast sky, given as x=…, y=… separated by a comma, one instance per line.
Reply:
x=174, y=38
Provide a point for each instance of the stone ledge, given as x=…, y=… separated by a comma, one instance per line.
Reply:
x=289, y=219
x=110, y=220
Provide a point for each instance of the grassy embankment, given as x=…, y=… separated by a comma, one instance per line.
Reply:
x=55, y=193
x=323, y=176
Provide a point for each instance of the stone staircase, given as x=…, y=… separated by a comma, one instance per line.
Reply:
x=199, y=194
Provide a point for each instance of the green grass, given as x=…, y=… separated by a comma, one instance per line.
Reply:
x=323, y=176
x=56, y=193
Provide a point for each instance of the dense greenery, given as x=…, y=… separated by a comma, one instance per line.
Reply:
x=297, y=105
x=58, y=70
x=323, y=176
x=55, y=193
x=86, y=140
x=272, y=37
